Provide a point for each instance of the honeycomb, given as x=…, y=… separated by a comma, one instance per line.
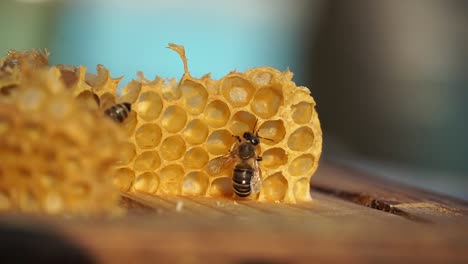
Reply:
x=176, y=127
x=54, y=159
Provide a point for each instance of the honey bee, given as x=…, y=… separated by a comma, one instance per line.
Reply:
x=118, y=112
x=246, y=174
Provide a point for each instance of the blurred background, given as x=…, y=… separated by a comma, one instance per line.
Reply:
x=390, y=77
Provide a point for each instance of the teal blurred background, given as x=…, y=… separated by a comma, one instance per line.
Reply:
x=390, y=77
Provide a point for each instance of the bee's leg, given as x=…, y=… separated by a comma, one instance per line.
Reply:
x=237, y=137
x=259, y=158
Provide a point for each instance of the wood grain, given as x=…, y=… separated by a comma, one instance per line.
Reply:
x=353, y=218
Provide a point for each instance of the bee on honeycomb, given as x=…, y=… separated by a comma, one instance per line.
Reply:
x=175, y=128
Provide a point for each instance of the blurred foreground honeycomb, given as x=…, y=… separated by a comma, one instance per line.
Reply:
x=54, y=158
x=176, y=127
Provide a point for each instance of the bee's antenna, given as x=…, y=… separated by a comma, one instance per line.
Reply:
x=265, y=138
x=255, y=126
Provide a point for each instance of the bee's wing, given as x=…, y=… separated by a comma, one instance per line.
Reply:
x=215, y=166
x=256, y=181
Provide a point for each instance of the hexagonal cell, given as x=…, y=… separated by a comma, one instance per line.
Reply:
x=130, y=92
x=261, y=78
x=6, y=124
x=148, y=136
x=129, y=124
x=237, y=91
x=241, y=122
x=267, y=102
x=302, y=165
x=147, y=161
x=274, y=187
x=171, y=179
x=174, y=119
x=126, y=154
x=195, y=183
x=221, y=187
x=194, y=96
x=274, y=157
x=32, y=99
x=89, y=99
x=98, y=79
x=172, y=148
x=273, y=130
x=123, y=178
x=195, y=158
x=147, y=182
x=77, y=190
x=32, y=131
x=217, y=114
x=107, y=100
x=220, y=142
x=196, y=132
x=301, y=190
x=149, y=106
x=170, y=89
x=302, y=112
x=301, y=139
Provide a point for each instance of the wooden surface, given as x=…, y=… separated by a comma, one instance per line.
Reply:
x=353, y=218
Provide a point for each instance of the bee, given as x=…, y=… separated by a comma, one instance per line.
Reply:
x=246, y=174
x=118, y=112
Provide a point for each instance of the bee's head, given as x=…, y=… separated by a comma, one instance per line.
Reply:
x=251, y=138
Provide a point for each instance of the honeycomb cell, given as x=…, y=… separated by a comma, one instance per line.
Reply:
x=147, y=182
x=174, y=119
x=147, y=161
x=129, y=124
x=32, y=131
x=220, y=142
x=59, y=108
x=123, y=178
x=89, y=99
x=170, y=90
x=272, y=131
x=171, y=179
x=148, y=136
x=302, y=112
x=194, y=96
x=5, y=124
x=149, y=106
x=195, y=183
x=195, y=158
x=107, y=100
x=274, y=157
x=5, y=202
x=237, y=91
x=267, y=102
x=301, y=139
x=196, y=132
x=126, y=154
x=221, y=187
x=77, y=190
x=301, y=190
x=53, y=202
x=217, y=114
x=261, y=78
x=31, y=100
x=241, y=122
x=130, y=92
x=274, y=187
x=172, y=148
x=302, y=165
x=99, y=79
